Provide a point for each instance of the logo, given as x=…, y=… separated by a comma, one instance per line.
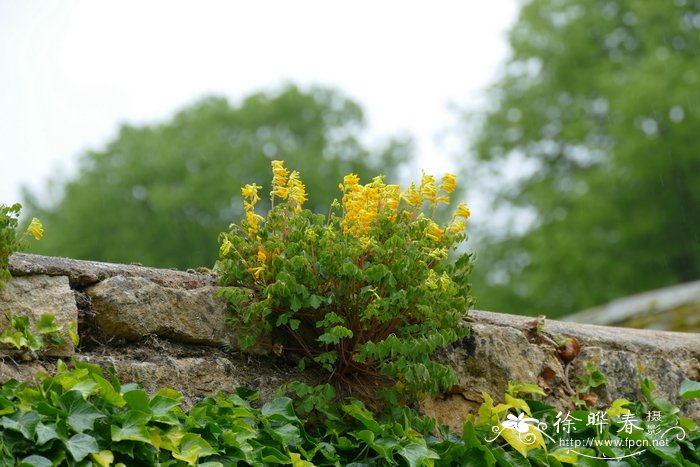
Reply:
x=595, y=435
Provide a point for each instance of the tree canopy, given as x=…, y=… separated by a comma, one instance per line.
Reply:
x=160, y=194
x=599, y=110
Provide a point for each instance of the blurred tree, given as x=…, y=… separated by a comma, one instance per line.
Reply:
x=599, y=108
x=160, y=194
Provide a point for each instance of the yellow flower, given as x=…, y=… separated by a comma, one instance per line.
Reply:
x=427, y=188
x=36, y=229
x=412, y=196
x=225, y=248
x=462, y=211
x=457, y=226
x=257, y=270
x=448, y=183
x=350, y=180
x=445, y=281
x=432, y=281
x=279, y=180
x=253, y=222
x=261, y=256
x=297, y=191
x=434, y=232
x=251, y=191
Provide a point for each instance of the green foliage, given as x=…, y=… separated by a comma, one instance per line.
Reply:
x=156, y=193
x=648, y=432
x=598, y=112
x=10, y=239
x=17, y=333
x=84, y=417
x=81, y=418
x=368, y=294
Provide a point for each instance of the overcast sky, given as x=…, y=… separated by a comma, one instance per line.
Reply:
x=72, y=71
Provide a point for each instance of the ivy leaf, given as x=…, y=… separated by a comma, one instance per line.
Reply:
x=103, y=458
x=137, y=399
x=192, y=448
x=689, y=389
x=280, y=409
x=23, y=422
x=523, y=442
x=417, y=454
x=107, y=391
x=36, y=461
x=81, y=413
x=81, y=445
x=133, y=428
x=45, y=433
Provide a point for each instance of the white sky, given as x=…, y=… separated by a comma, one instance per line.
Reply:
x=72, y=71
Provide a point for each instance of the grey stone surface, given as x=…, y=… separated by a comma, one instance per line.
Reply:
x=135, y=307
x=34, y=295
x=500, y=348
x=83, y=273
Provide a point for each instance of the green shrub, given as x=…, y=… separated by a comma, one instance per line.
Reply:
x=368, y=292
x=12, y=241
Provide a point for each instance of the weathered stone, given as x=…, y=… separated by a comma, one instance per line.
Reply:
x=82, y=273
x=34, y=295
x=134, y=307
x=501, y=349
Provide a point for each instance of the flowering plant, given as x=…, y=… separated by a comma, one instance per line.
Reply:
x=368, y=292
x=11, y=240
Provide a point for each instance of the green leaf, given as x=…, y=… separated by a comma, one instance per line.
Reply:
x=417, y=454
x=364, y=416
x=137, y=399
x=132, y=428
x=22, y=422
x=80, y=445
x=280, y=409
x=107, y=391
x=36, y=461
x=45, y=433
x=81, y=413
x=192, y=447
x=103, y=458
x=689, y=389
x=47, y=324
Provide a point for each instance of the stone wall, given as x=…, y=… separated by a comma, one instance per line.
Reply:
x=167, y=328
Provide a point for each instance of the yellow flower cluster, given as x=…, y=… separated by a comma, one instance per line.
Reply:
x=459, y=218
x=286, y=186
x=250, y=197
x=36, y=229
x=280, y=176
x=363, y=203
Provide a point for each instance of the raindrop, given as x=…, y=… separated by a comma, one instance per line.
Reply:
x=677, y=114
x=696, y=21
x=678, y=43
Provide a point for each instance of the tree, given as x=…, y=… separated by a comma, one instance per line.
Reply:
x=600, y=107
x=160, y=194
